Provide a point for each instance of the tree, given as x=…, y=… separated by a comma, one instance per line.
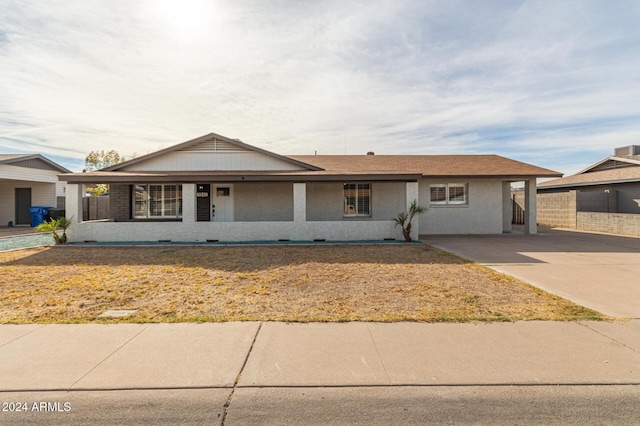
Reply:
x=53, y=225
x=404, y=218
x=97, y=160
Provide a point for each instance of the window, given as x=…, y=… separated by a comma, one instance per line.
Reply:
x=357, y=199
x=449, y=194
x=157, y=201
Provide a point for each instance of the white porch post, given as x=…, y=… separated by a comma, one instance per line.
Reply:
x=299, y=202
x=188, y=203
x=506, y=207
x=530, y=206
x=73, y=202
x=413, y=194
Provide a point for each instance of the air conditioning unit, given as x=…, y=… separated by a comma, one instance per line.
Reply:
x=627, y=150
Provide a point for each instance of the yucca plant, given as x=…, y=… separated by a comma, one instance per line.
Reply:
x=53, y=225
x=404, y=219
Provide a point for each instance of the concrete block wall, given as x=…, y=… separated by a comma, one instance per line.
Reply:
x=613, y=223
x=557, y=209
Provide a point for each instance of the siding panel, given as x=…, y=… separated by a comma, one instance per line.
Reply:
x=201, y=161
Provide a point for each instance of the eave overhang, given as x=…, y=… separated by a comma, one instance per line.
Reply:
x=582, y=184
x=284, y=176
x=193, y=177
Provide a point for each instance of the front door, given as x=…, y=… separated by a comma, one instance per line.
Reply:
x=23, y=203
x=221, y=203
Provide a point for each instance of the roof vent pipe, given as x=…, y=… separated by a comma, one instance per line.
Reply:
x=371, y=153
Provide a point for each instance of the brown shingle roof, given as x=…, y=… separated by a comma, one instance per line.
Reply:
x=622, y=174
x=337, y=167
x=427, y=165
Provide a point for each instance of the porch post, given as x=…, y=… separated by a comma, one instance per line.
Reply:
x=299, y=202
x=73, y=202
x=412, y=194
x=506, y=207
x=188, y=203
x=530, y=206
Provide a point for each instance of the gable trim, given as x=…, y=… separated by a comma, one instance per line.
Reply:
x=26, y=157
x=187, y=144
x=612, y=158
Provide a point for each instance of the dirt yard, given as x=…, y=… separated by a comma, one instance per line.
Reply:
x=412, y=282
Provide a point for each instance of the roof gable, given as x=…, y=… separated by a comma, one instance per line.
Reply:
x=602, y=177
x=32, y=161
x=212, y=152
x=612, y=163
x=608, y=171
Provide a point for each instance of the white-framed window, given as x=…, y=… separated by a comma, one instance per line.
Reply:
x=152, y=201
x=357, y=199
x=449, y=194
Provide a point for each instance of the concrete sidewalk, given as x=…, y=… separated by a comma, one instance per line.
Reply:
x=601, y=272
x=204, y=373
x=152, y=356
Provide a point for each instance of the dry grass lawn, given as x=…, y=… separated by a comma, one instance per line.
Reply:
x=412, y=282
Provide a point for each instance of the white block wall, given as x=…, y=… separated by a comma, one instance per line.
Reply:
x=232, y=231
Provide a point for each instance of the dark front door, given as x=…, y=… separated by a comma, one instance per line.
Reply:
x=23, y=203
x=203, y=202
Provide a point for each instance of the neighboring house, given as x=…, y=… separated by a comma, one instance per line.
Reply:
x=28, y=180
x=611, y=185
x=219, y=189
x=604, y=197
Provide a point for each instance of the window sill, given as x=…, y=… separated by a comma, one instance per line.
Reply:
x=441, y=206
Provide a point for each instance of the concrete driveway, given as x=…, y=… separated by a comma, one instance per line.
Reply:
x=598, y=271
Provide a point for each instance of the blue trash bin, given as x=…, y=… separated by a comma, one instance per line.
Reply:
x=39, y=214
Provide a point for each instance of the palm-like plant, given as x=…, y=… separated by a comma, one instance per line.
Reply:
x=404, y=219
x=53, y=225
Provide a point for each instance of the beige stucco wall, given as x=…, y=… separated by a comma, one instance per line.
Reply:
x=263, y=202
x=483, y=214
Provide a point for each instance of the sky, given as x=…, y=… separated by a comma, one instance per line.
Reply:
x=555, y=83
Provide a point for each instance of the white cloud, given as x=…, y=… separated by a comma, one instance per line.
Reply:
x=525, y=79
